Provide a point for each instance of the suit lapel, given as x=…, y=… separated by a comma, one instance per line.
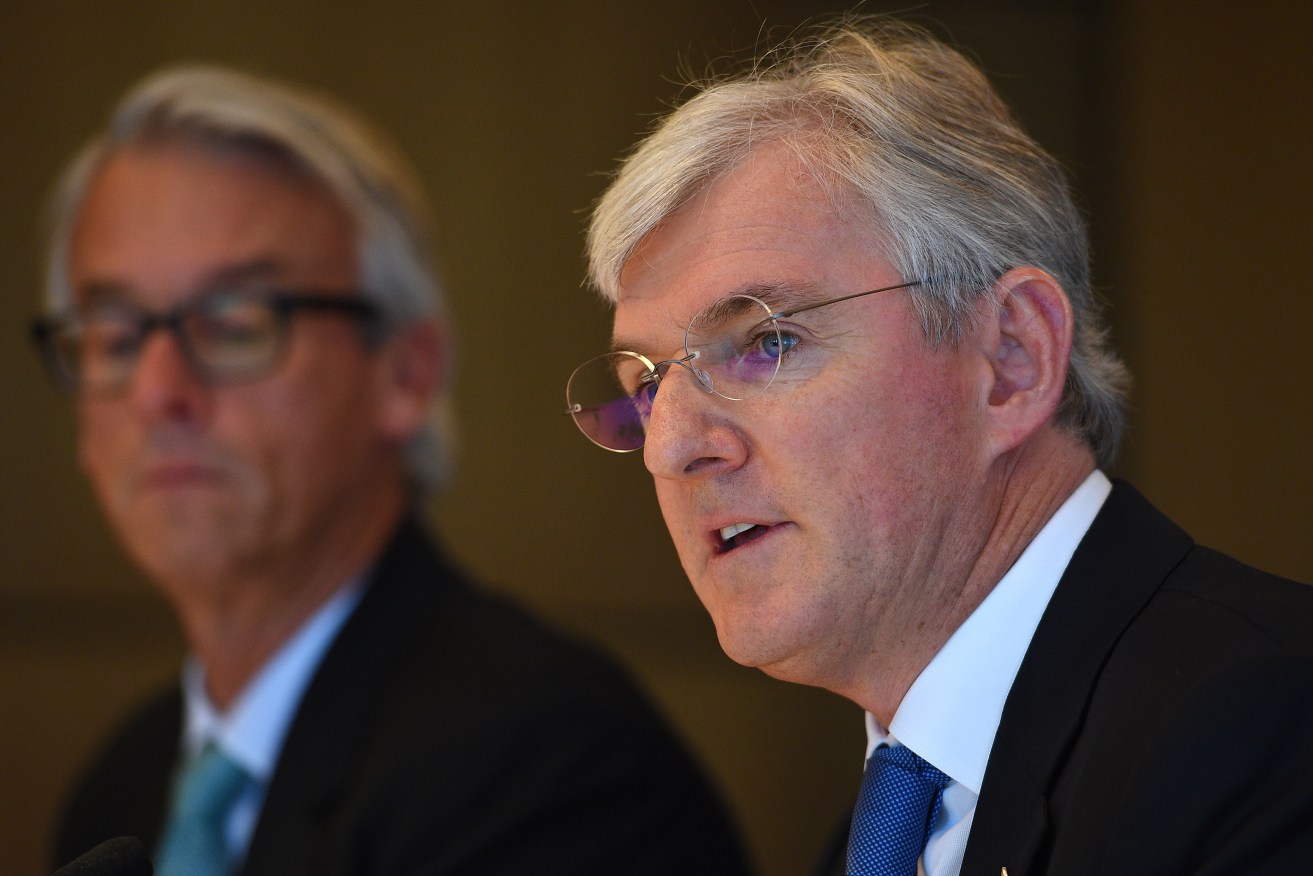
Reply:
x=327, y=739
x=1117, y=567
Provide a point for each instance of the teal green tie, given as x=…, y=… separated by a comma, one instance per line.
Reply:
x=203, y=795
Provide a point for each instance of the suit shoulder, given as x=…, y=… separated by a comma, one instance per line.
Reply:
x=122, y=789
x=500, y=661
x=1256, y=606
x=493, y=740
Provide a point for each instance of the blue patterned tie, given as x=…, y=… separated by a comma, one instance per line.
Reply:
x=896, y=810
x=205, y=791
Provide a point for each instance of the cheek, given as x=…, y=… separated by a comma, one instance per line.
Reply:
x=675, y=510
x=826, y=433
x=103, y=444
x=882, y=442
x=305, y=436
x=274, y=434
x=321, y=400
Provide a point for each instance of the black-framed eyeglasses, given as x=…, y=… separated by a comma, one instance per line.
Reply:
x=226, y=335
x=735, y=348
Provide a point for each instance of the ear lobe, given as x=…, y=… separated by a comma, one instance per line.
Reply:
x=1029, y=353
x=410, y=375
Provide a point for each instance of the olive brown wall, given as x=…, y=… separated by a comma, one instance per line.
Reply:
x=1186, y=126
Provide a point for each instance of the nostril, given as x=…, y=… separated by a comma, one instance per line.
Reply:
x=701, y=464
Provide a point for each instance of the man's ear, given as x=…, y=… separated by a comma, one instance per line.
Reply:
x=411, y=373
x=1028, y=342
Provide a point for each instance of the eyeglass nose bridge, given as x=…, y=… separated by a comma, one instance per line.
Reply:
x=173, y=323
x=660, y=369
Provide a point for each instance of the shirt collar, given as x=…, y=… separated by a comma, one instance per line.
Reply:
x=251, y=731
x=952, y=711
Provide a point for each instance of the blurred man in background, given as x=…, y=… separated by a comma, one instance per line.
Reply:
x=242, y=303
x=856, y=340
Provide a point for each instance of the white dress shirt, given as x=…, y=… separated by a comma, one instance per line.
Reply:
x=951, y=712
x=252, y=730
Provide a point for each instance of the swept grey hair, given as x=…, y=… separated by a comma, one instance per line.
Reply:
x=910, y=132
x=225, y=110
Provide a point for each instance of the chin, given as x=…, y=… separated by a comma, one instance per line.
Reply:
x=181, y=540
x=750, y=643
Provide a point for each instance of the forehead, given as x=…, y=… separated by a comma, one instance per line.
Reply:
x=165, y=220
x=769, y=224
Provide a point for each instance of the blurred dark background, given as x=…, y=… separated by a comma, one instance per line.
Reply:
x=1185, y=125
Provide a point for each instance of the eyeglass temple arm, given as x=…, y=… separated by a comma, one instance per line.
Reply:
x=787, y=313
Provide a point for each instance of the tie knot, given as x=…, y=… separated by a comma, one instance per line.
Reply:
x=210, y=784
x=194, y=841
x=896, y=811
x=900, y=757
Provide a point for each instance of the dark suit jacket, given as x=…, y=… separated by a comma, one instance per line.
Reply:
x=444, y=732
x=1161, y=721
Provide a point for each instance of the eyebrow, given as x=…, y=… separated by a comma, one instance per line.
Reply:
x=258, y=269
x=780, y=295
x=784, y=295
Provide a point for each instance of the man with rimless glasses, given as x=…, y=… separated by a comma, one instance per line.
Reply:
x=856, y=345
x=242, y=304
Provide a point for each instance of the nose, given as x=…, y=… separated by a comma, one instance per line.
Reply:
x=165, y=385
x=690, y=431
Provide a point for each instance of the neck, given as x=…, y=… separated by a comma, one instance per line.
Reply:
x=1022, y=492
x=236, y=622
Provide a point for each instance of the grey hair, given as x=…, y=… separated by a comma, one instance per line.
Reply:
x=909, y=131
x=226, y=110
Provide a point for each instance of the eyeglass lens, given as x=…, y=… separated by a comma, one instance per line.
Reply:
x=733, y=349
x=225, y=336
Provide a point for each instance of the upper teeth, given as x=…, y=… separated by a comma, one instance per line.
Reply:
x=728, y=532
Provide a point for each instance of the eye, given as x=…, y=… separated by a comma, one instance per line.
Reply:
x=233, y=321
x=109, y=337
x=646, y=393
x=777, y=344
x=632, y=376
x=230, y=330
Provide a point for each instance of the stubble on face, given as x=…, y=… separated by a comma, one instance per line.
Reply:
x=208, y=484
x=862, y=472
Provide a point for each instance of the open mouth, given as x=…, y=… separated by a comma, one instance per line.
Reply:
x=739, y=534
